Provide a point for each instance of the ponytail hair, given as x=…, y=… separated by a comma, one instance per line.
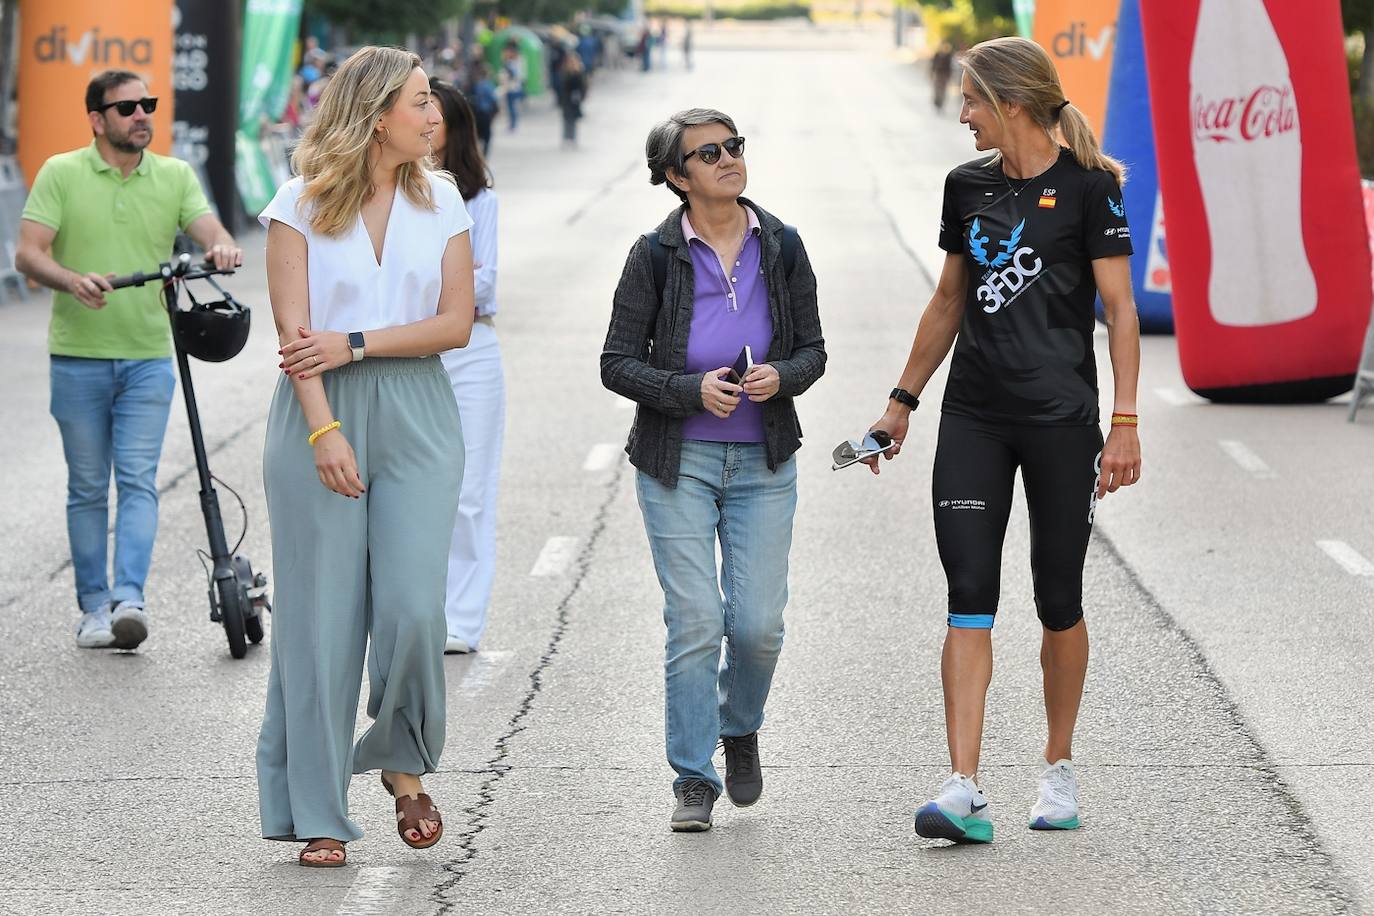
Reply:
x=1018, y=72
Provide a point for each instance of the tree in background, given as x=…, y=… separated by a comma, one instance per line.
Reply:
x=966, y=22
x=386, y=17
x=1358, y=16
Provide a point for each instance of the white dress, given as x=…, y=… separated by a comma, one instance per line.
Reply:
x=480, y=388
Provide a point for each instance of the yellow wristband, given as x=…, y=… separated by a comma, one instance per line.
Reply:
x=1125, y=420
x=324, y=429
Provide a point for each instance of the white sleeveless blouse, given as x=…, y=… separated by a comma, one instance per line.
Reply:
x=349, y=289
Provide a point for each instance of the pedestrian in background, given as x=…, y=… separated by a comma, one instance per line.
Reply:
x=687, y=43
x=555, y=51
x=941, y=69
x=514, y=73
x=111, y=368
x=478, y=381
x=645, y=48
x=369, y=270
x=485, y=104
x=714, y=451
x=574, y=83
x=1033, y=235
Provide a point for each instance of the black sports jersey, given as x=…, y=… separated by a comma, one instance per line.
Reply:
x=1025, y=352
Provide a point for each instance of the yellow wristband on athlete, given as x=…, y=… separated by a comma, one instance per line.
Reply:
x=329, y=427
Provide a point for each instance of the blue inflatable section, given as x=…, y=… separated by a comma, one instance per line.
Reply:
x=1129, y=136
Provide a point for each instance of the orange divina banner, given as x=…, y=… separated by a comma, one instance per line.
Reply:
x=62, y=44
x=1080, y=36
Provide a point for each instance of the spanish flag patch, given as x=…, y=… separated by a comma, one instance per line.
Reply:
x=1047, y=203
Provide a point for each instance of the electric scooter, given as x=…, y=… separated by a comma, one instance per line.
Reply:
x=214, y=332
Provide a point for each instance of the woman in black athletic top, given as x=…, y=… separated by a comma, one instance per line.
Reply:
x=1033, y=234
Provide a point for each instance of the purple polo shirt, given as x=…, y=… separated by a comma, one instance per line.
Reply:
x=730, y=309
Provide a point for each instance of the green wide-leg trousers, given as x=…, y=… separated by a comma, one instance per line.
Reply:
x=348, y=571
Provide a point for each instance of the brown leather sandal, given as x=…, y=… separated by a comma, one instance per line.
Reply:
x=323, y=844
x=410, y=811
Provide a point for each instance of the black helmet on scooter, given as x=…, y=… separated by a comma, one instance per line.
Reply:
x=212, y=331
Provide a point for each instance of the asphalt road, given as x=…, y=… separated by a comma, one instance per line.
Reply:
x=1225, y=755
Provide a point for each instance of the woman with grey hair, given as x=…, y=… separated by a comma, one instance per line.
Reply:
x=721, y=279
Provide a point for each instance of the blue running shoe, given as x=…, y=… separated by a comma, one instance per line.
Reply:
x=958, y=813
x=1057, y=806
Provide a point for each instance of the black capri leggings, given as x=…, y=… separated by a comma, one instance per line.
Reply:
x=975, y=468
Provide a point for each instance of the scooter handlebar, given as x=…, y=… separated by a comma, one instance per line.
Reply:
x=180, y=269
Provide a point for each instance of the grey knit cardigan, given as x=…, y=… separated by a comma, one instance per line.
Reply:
x=646, y=346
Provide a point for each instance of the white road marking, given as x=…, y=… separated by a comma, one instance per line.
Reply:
x=623, y=403
x=481, y=670
x=556, y=557
x=603, y=457
x=373, y=891
x=1247, y=459
x=1174, y=397
x=1350, y=559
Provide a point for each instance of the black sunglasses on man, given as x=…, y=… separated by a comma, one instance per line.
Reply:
x=126, y=107
x=710, y=153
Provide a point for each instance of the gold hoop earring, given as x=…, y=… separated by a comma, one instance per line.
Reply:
x=382, y=141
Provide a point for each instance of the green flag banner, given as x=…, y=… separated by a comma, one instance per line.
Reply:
x=269, y=39
x=1024, y=11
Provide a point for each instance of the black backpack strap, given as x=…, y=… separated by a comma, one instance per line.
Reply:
x=791, y=241
x=658, y=255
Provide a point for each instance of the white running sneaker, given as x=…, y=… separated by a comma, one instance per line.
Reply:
x=129, y=623
x=958, y=813
x=93, y=630
x=455, y=646
x=1057, y=806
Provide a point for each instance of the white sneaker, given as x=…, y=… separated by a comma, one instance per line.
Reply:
x=456, y=646
x=93, y=630
x=958, y=813
x=1057, y=806
x=129, y=623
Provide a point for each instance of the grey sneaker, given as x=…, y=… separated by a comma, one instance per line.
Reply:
x=695, y=797
x=129, y=625
x=743, y=776
x=93, y=630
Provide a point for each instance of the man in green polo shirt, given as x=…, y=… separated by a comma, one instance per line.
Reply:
x=112, y=208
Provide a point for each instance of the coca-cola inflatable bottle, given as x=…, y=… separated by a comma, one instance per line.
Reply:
x=1247, y=146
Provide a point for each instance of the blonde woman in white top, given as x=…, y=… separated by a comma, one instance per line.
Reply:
x=369, y=269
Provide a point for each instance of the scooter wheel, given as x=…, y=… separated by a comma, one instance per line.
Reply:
x=232, y=605
x=252, y=625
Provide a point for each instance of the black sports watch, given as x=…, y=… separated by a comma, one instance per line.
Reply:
x=902, y=396
x=355, y=343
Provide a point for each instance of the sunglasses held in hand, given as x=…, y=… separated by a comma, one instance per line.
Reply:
x=126, y=107
x=852, y=451
x=709, y=153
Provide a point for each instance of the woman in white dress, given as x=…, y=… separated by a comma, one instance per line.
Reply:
x=478, y=382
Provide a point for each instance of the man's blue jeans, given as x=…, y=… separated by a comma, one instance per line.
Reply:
x=111, y=412
x=724, y=491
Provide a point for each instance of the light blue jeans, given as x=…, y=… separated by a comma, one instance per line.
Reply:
x=112, y=412
x=724, y=491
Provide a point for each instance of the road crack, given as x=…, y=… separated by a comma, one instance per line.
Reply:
x=496, y=768
x=1265, y=767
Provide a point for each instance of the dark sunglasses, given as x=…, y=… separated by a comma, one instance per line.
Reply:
x=126, y=107
x=710, y=152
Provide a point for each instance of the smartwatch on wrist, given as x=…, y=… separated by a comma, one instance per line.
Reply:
x=902, y=396
x=355, y=343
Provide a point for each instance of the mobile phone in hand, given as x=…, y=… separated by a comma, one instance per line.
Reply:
x=743, y=363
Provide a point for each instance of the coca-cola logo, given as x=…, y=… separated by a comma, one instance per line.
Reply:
x=1266, y=112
